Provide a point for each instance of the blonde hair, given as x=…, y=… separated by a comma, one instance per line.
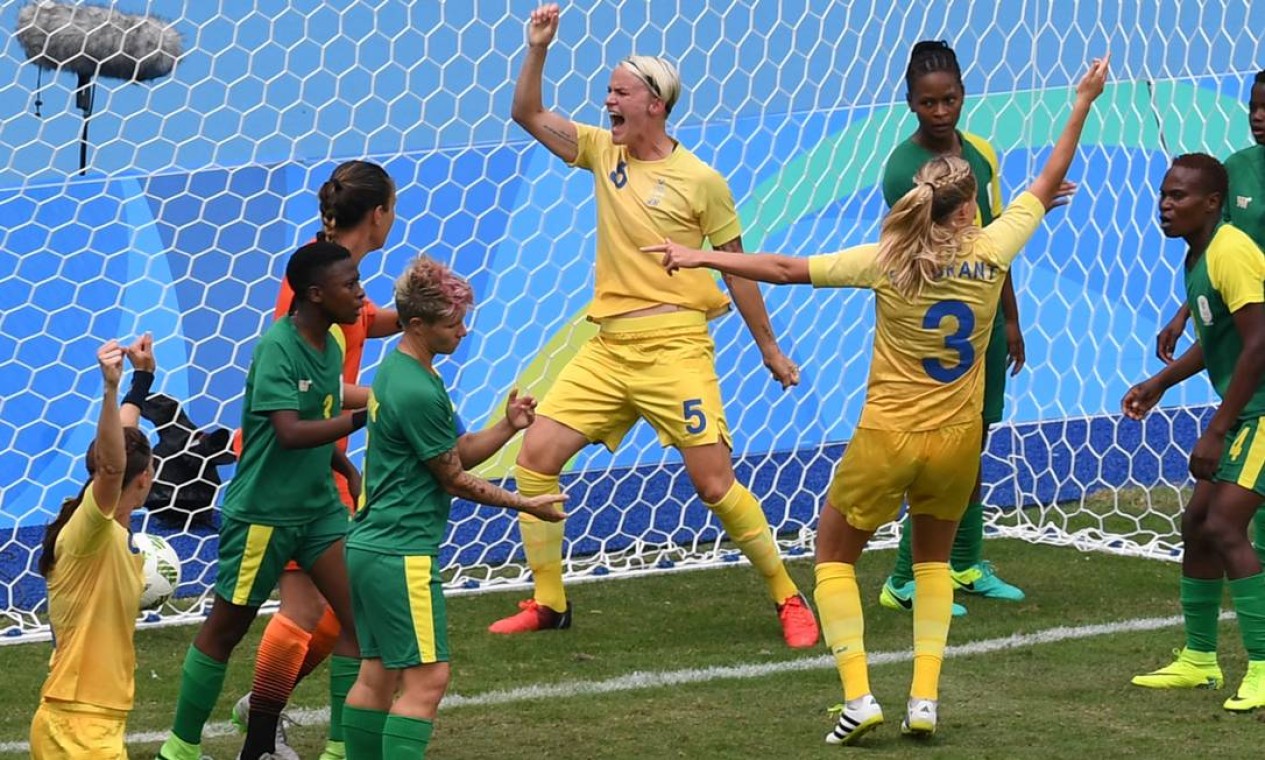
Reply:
x=917, y=242
x=659, y=76
x=430, y=291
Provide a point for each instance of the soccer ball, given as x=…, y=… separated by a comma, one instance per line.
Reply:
x=161, y=571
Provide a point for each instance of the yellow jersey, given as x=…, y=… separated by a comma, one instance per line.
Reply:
x=642, y=203
x=94, y=595
x=928, y=365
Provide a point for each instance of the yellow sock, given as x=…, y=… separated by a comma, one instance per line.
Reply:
x=839, y=607
x=933, y=609
x=743, y=519
x=542, y=541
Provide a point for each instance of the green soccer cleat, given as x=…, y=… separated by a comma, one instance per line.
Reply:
x=176, y=748
x=981, y=579
x=902, y=598
x=1191, y=670
x=1251, y=693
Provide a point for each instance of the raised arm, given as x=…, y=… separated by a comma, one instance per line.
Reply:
x=457, y=482
x=553, y=131
x=1047, y=185
x=476, y=448
x=110, y=452
x=141, y=356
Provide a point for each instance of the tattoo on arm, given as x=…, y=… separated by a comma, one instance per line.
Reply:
x=561, y=135
x=453, y=477
x=733, y=246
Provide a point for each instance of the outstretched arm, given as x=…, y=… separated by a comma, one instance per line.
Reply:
x=1046, y=187
x=454, y=479
x=528, y=111
x=762, y=267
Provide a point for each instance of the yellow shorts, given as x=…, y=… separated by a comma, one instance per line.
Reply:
x=65, y=733
x=660, y=367
x=935, y=469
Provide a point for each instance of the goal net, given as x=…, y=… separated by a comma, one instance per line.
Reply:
x=198, y=185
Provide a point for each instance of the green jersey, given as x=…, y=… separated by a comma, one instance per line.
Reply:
x=1229, y=276
x=274, y=485
x=1245, y=203
x=909, y=157
x=405, y=509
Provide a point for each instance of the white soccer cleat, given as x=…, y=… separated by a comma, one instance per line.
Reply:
x=858, y=717
x=920, y=718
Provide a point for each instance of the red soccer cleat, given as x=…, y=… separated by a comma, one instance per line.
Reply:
x=536, y=617
x=799, y=625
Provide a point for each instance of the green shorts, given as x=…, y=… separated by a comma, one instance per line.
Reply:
x=995, y=373
x=252, y=557
x=398, y=604
x=1243, y=461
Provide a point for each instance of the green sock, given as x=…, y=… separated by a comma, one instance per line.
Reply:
x=1259, y=543
x=343, y=672
x=363, y=729
x=968, y=544
x=1201, y=606
x=405, y=738
x=201, y=681
x=1249, y=604
x=903, y=570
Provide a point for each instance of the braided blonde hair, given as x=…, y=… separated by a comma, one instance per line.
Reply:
x=917, y=242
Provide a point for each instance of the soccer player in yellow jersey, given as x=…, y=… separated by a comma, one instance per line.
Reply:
x=653, y=357
x=95, y=582
x=937, y=278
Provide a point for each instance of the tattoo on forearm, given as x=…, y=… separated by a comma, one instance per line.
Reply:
x=447, y=469
x=561, y=135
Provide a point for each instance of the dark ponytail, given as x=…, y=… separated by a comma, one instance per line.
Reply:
x=354, y=190
x=138, y=458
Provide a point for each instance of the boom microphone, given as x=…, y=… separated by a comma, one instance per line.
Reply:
x=93, y=41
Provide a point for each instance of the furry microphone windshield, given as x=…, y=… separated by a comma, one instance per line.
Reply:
x=94, y=41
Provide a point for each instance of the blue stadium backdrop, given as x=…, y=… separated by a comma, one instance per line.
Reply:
x=200, y=185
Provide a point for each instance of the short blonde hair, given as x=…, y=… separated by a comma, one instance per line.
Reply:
x=430, y=291
x=658, y=74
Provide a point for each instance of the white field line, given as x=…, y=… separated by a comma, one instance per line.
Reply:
x=661, y=679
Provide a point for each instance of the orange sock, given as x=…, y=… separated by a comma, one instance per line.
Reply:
x=277, y=664
x=322, y=642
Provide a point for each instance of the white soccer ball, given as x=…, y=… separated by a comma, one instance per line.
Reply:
x=161, y=571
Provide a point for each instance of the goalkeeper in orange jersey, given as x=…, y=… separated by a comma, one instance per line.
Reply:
x=653, y=356
x=937, y=278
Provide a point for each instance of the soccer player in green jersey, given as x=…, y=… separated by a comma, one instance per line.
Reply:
x=282, y=503
x=935, y=92
x=1244, y=208
x=416, y=462
x=1225, y=272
